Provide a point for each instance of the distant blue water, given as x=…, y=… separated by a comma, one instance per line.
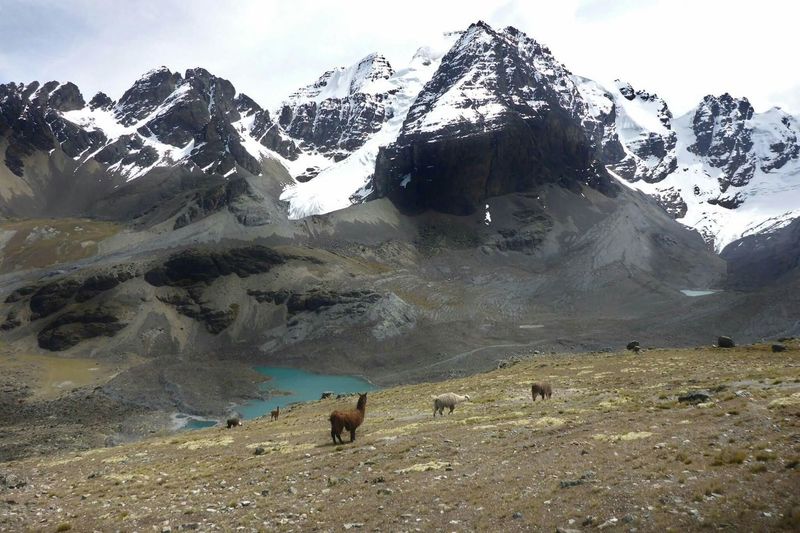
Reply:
x=303, y=387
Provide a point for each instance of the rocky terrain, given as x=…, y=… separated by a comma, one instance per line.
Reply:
x=708, y=438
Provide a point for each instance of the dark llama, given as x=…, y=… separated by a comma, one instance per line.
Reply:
x=233, y=422
x=541, y=389
x=273, y=415
x=348, y=420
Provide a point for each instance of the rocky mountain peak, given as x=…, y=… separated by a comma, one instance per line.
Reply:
x=101, y=101
x=488, y=74
x=495, y=92
x=343, y=82
x=337, y=113
x=53, y=94
x=723, y=136
x=146, y=94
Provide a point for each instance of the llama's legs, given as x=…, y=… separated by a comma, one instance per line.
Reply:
x=333, y=435
x=451, y=409
x=352, y=435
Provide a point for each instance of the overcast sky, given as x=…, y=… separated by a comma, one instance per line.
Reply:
x=681, y=49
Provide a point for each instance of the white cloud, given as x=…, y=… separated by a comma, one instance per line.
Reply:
x=681, y=49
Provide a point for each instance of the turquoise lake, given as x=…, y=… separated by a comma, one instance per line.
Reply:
x=300, y=385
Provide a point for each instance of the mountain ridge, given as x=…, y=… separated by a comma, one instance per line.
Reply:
x=719, y=161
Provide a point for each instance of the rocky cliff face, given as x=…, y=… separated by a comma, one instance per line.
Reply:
x=500, y=115
x=337, y=114
x=765, y=258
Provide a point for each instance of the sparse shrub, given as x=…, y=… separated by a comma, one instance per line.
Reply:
x=712, y=487
x=64, y=526
x=765, y=456
x=759, y=468
x=729, y=456
x=791, y=518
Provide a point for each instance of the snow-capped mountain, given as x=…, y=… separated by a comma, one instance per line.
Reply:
x=164, y=119
x=639, y=142
x=64, y=156
x=499, y=115
x=721, y=168
x=337, y=113
x=479, y=113
x=380, y=98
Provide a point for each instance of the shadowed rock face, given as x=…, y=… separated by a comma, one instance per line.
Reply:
x=193, y=270
x=456, y=175
x=71, y=328
x=52, y=297
x=758, y=260
x=192, y=305
x=500, y=115
x=193, y=267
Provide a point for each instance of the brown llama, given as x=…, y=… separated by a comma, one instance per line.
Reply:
x=542, y=389
x=348, y=420
x=273, y=415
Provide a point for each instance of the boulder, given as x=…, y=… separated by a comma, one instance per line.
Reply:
x=778, y=347
x=725, y=342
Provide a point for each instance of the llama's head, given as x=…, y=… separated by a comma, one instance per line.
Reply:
x=466, y=397
x=362, y=400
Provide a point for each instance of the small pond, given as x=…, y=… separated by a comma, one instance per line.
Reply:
x=295, y=385
x=291, y=386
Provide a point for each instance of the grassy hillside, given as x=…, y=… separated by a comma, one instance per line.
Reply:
x=613, y=449
x=38, y=243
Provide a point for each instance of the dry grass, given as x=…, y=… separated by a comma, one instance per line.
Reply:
x=730, y=456
x=555, y=462
x=39, y=243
